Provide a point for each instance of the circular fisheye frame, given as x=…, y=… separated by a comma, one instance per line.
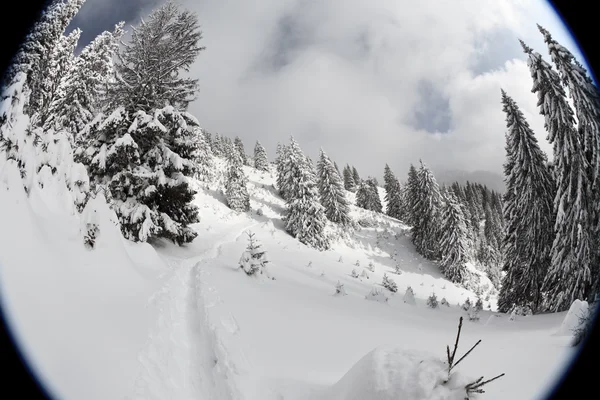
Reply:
x=304, y=200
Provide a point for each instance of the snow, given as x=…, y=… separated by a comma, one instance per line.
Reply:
x=138, y=321
x=572, y=320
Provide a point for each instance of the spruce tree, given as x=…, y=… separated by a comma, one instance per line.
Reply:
x=569, y=276
x=586, y=101
x=305, y=217
x=411, y=192
x=150, y=68
x=239, y=146
x=453, y=241
x=426, y=214
x=261, y=162
x=349, y=183
x=236, y=192
x=356, y=177
x=80, y=91
x=529, y=214
x=217, y=146
x=332, y=193
x=367, y=196
x=282, y=163
x=392, y=194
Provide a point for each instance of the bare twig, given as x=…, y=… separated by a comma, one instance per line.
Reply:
x=467, y=353
x=475, y=387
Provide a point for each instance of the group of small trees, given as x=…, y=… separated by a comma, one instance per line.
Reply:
x=552, y=211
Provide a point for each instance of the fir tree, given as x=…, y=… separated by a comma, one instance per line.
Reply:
x=236, y=192
x=217, y=146
x=389, y=284
x=393, y=196
x=149, y=69
x=349, y=183
x=367, y=196
x=253, y=260
x=304, y=217
x=411, y=195
x=239, y=146
x=261, y=162
x=453, y=241
x=80, y=91
x=425, y=214
x=528, y=211
x=355, y=177
x=586, y=100
x=282, y=165
x=432, y=301
x=569, y=276
x=331, y=190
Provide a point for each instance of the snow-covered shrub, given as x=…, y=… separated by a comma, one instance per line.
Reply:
x=260, y=212
x=309, y=264
x=389, y=284
x=357, y=263
x=473, y=314
x=354, y=273
x=409, y=296
x=253, y=260
x=513, y=315
x=340, y=259
x=397, y=269
x=377, y=295
x=444, y=302
x=467, y=304
x=339, y=289
x=587, y=316
x=432, y=301
x=571, y=323
x=364, y=274
x=371, y=267
x=367, y=222
x=479, y=304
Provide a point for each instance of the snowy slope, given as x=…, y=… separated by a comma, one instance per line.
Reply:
x=131, y=321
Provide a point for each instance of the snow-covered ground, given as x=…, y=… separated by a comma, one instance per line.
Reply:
x=135, y=321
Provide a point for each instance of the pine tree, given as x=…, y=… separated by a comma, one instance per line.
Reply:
x=217, y=146
x=367, y=196
x=349, y=183
x=411, y=195
x=392, y=194
x=569, y=276
x=282, y=164
x=425, y=213
x=453, y=245
x=586, y=100
x=239, y=146
x=261, y=162
x=305, y=217
x=80, y=91
x=528, y=211
x=389, y=284
x=355, y=177
x=149, y=69
x=236, y=192
x=253, y=260
x=35, y=54
x=229, y=149
x=332, y=193
x=337, y=169
x=201, y=154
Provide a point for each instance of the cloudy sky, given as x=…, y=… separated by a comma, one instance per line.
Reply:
x=369, y=81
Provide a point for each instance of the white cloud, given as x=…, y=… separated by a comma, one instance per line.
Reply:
x=351, y=82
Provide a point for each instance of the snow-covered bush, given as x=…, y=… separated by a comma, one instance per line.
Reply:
x=467, y=304
x=253, y=260
x=339, y=289
x=409, y=296
x=397, y=269
x=473, y=314
x=432, y=301
x=309, y=265
x=357, y=263
x=364, y=274
x=371, y=267
x=444, y=302
x=377, y=295
x=354, y=273
x=479, y=304
x=389, y=284
x=340, y=259
x=587, y=316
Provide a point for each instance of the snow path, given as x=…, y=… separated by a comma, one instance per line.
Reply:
x=184, y=357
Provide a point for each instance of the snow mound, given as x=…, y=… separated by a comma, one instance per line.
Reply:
x=391, y=373
x=572, y=320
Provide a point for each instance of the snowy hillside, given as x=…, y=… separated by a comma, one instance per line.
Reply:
x=135, y=321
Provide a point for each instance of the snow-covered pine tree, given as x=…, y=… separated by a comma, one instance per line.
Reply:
x=374, y=199
x=349, y=183
x=149, y=69
x=569, y=276
x=253, y=261
x=389, y=284
x=261, y=162
x=331, y=191
x=228, y=148
x=200, y=153
x=426, y=214
x=337, y=169
x=282, y=164
x=304, y=217
x=393, y=195
x=143, y=150
x=355, y=176
x=236, y=192
x=239, y=146
x=35, y=54
x=432, y=301
x=453, y=245
x=411, y=195
x=529, y=213
x=586, y=101
x=80, y=91
x=217, y=146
